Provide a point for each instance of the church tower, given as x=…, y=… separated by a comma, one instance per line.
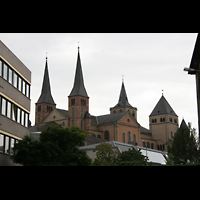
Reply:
x=78, y=101
x=123, y=105
x=163, y=123
x=45, y=103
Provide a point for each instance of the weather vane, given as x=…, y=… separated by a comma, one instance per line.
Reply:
x=78, y=46
x=122, y=77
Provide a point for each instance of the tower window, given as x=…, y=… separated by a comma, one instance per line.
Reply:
x=162, y=119
x=73, y=102
x=83, y=102
x=39, y=108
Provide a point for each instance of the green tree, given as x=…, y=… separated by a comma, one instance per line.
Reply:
x=56, y=146
x=105, y=155
x=184, y=147
x=132, y=157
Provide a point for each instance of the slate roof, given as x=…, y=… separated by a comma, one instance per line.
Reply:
x=163, y=107
x=63, y=112
x=183, y=124
x=78, y=88
x=107, y=119
x=123, y=99
x=46, y=96
x=93, y=140
x=144, y=131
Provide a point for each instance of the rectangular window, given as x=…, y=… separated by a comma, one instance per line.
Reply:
x=1, y=143
x=8, y=109
x=18, y=115
x=5, y=71
x=10, y=72
x=19, y=84
x=27, y=90
x=22, y=117
x=0, y=68
x=15, y=80
x=12, y=142
x=6, y=149
x=14, y=112
x=3, y=107
x=23, y=87
x=26, y=119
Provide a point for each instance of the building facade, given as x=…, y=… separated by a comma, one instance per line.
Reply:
x=15, y=85
x=120, y=125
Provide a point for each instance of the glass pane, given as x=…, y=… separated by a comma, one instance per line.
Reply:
x=15, y=80
x=10, y=75
x=27, y=90
x=14, y=112
x=1, y=143
x=18, y=115
x=6, y=144
x=26, y=119
x=22, y=118
x=0, y=68
x=3, y=107
x=5, y=71
x=12, y=141
x=19, y=84
x=23, y=87
x=8, y=109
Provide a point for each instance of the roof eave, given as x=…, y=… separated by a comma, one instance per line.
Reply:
x=194, y=64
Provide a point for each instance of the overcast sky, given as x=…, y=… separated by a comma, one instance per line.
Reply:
x=149, y=62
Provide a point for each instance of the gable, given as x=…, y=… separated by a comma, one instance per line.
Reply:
x=56, y=114
x=128, y=119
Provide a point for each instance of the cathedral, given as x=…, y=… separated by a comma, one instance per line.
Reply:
x=120, y=125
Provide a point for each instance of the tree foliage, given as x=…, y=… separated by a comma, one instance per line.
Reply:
x=106, y=156
x=56, y=146
x=184, y=148
x=132, y=157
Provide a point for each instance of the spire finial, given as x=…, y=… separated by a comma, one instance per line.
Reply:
x=46, y=56
x=78, y=46
x=162, y=92
x=123, y=78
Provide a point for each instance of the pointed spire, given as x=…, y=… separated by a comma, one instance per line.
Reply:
x=78, y=88
x=46, y=96
x=163, y=107
x=123, y=99
x=183, y=124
